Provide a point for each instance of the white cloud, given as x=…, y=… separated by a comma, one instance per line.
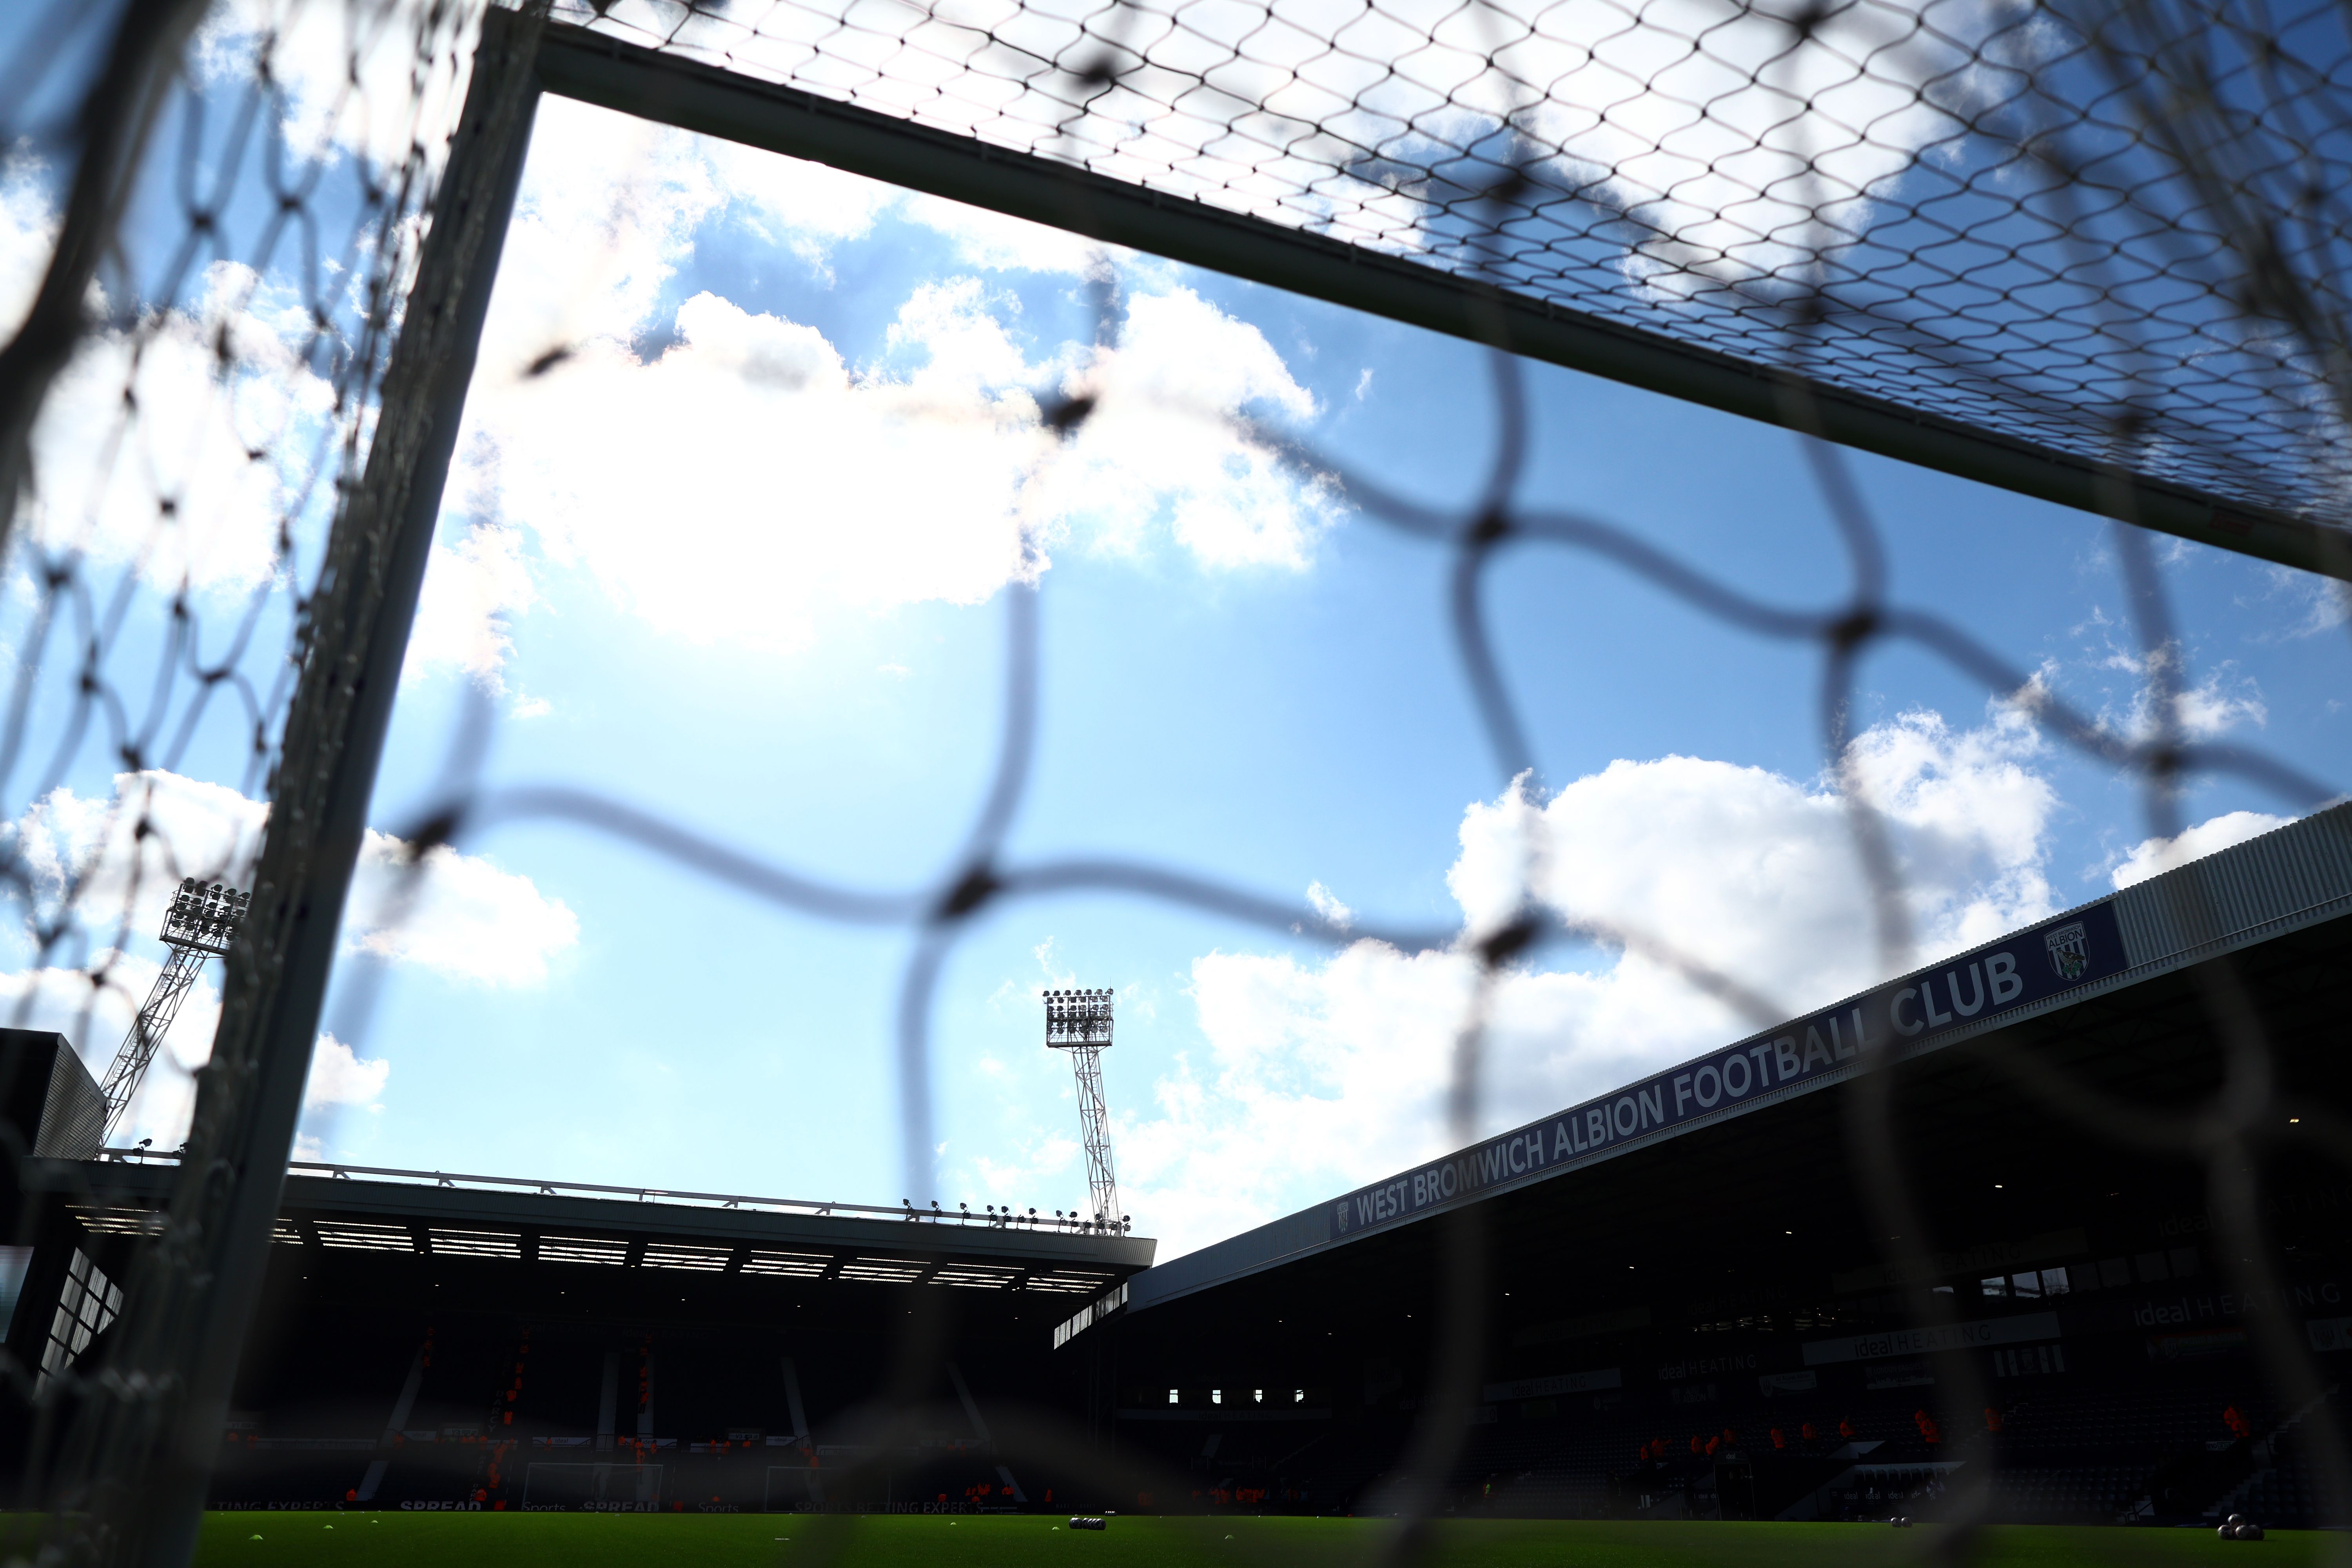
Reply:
x=809, y=207
x=340, y=1076
x=92, y=866
x=2151, y=856
x=473, y=591
x=611, y=434
x=1313, y=1072
x=97, y=1019
x=1731, y=142
x=1320, y=1076
x=346, y=77
x=1158, y=449
x=1001, y=244
x=2218, y=704
x=147, y=453
x=748, y=441
x=461, y=916
x=118, y=857
x=1744, y=868
x=1326, y=904
x=2205, y=708
x=190, y=478
x=152, y=450
x=29, y=231
x=627, y=195
x=1049, y=1164
x=605, y=216
x=2318, y=604
x=611, y=205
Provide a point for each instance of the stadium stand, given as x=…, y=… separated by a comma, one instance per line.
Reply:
x=425, y=1343
x=1695, y=1321
x=1691, y=1319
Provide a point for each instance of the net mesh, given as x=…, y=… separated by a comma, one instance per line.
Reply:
x=2114, y=231
x=2110, y=232
x=181, y=467
x=209, y=228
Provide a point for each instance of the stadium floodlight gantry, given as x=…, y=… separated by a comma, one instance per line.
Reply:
x=1079, y=1022
x=200, y=923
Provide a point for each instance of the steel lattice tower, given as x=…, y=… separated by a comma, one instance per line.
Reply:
x=200, y=924
x=1078, y=1022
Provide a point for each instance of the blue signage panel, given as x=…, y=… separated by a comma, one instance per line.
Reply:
x=1906, y=1015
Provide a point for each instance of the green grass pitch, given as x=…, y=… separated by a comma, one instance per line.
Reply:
x=396, y=1540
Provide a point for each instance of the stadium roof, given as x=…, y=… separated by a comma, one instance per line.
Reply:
x=1722, y=1241
x=2127, y=1020
x=428, y=1214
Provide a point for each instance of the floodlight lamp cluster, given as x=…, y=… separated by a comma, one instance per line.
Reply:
x=1009, y=1215
x=204, y=916
x=1077, y=1018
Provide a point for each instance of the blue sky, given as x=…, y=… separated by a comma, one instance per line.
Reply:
x=740, y=560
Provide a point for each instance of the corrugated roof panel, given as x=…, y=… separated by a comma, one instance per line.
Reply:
x=359, y=1235
x=1066, y=1283
x=2288, y=873
x=476, y=1243
x=976, y=1276
x=702, y=1259
x=792, y=1264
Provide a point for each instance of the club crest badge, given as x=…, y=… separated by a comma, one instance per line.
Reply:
x=1340, y=1218
x=2069, y=951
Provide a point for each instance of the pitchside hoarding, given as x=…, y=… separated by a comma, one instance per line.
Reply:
x=1908, y=1015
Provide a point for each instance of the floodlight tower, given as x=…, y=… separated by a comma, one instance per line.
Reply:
x=200, y=924
x=1078, y=1022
